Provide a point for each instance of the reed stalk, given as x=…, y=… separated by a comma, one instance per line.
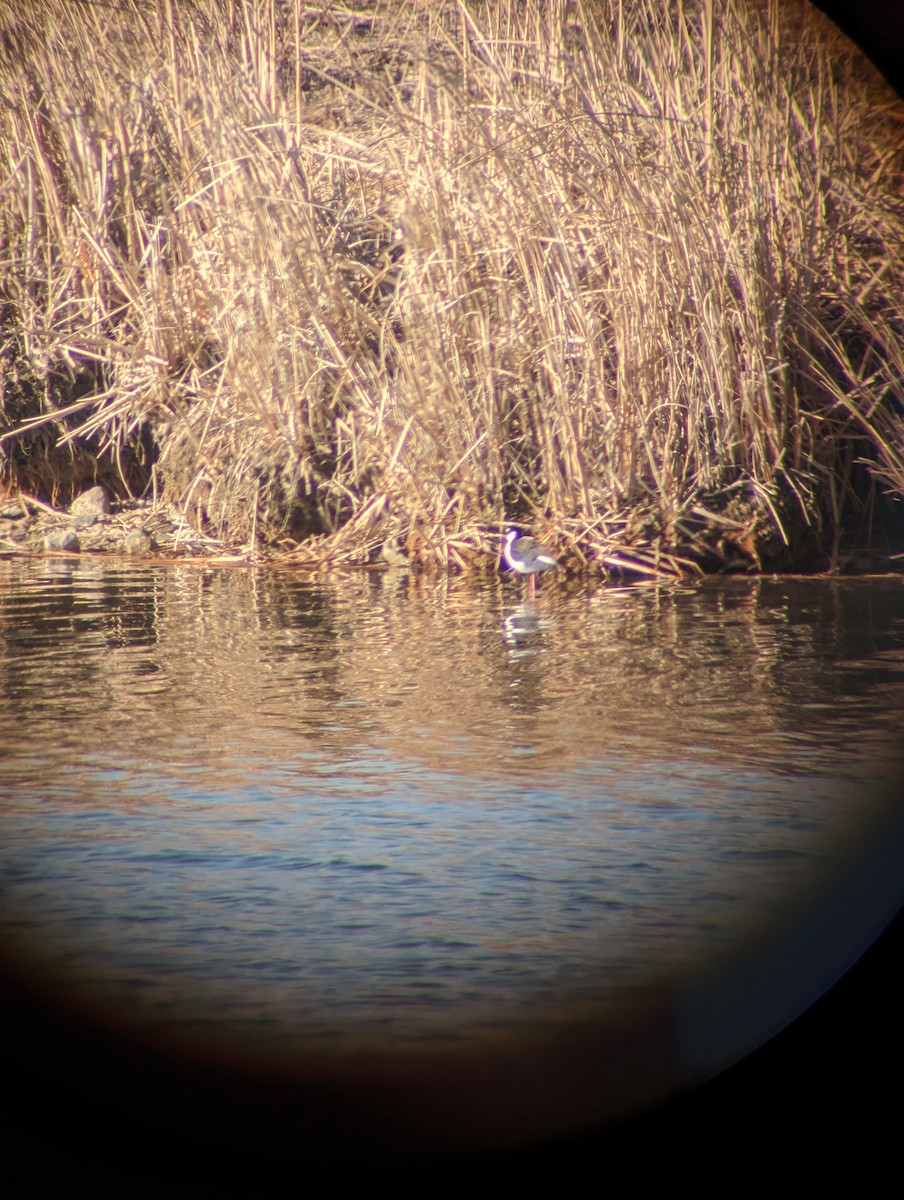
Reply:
x=338, y=274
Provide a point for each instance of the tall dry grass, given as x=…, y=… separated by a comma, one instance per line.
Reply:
x=324, y=275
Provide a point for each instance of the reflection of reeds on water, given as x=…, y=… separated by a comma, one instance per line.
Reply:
x=339, y=275
x=430, y=672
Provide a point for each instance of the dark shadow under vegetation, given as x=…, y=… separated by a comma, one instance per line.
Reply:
x=330, y=277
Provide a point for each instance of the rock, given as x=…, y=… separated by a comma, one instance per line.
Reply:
x=139, y=541
x=62, y=539
x=91, y=503
x=13, y=532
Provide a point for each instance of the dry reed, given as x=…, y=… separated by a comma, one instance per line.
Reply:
x=338, y=274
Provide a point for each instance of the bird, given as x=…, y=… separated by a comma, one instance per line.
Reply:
x=394, y=552
x=527, y=557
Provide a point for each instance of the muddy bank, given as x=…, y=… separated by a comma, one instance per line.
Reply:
x=96, y=523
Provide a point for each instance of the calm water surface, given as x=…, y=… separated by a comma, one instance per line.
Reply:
x=378, y=810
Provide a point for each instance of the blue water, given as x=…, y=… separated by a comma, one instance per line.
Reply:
x=380, y=810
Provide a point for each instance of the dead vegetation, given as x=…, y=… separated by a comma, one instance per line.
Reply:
x=324, y=276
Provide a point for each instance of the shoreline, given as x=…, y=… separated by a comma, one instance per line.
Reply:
x=141, y=529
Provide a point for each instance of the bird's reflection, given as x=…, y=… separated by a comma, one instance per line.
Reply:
x=522, y=624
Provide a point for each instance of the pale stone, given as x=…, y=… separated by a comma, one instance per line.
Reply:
x=62, y=539
x=139, y=541
x=90, y=503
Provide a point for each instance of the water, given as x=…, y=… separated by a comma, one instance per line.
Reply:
x=378, y=811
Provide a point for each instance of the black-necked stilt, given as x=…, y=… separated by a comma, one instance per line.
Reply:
x=526, y=556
